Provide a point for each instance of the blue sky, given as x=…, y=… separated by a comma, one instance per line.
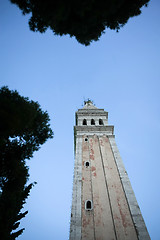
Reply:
x=120, y=73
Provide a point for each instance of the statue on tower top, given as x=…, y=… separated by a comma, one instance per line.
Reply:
x=88, y=102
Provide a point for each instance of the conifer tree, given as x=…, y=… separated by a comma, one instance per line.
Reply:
x=24, y=128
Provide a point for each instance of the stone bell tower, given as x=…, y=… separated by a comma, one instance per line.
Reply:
x=104, y=206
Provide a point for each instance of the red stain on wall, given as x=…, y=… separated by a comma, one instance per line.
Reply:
x=92, y=154
x=123, y=215
x=85, y=147
x=101, y=142
x=94, y=174
x=93, y=169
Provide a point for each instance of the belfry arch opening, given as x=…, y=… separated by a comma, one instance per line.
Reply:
x=84, y=122
x=100, y=121
x=92, y=122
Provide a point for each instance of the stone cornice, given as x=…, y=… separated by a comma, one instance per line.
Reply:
x=96, y=129
x=94, y=113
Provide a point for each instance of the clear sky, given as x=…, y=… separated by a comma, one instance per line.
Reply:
x=120, y=73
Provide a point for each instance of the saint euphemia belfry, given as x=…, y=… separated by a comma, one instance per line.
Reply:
x=104, y=206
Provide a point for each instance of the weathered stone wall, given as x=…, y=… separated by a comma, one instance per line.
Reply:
x=122, y=219
x=87, y=216
x=110, y=217
x=75, y=222
x=130, y=196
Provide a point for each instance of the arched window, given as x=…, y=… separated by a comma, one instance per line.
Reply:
x=86, y=164
x=100, y=122
x=92, y=122
x=88, y=205
x=84, y=122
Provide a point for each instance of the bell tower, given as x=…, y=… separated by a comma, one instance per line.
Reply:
x=104, y=206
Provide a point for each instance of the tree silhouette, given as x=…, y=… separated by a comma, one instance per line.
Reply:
x=84, y=19
x=24, y=127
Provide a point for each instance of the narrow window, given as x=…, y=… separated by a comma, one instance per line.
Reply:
x=87, y=164
x=84, y=122
x=88, y=205
x=92, y=122
x=100, y=122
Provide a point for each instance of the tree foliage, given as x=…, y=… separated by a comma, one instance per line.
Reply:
x=84, y=19
x=24, y=127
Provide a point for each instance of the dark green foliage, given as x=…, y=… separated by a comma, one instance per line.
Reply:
x=24, y=127
x=84, y=19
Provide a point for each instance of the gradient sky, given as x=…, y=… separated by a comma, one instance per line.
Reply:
x=120, y=73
